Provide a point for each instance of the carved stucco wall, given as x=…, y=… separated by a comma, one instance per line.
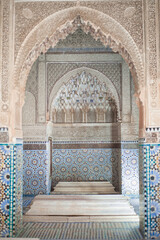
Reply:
x=118, y=38
x=129, y=14
x=89, y=91
x=51, y=70
x=54, y=70
x=29, y=110
x=88, y=27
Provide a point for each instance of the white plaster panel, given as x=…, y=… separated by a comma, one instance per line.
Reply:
x=155, y=118
x=87, y=57
x=126, y=98
x=34, y=133
x=87, y=132
x=41, y=92
x=29, y=115
x=129, y=132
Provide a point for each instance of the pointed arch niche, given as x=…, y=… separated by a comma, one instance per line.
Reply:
x=88, y=93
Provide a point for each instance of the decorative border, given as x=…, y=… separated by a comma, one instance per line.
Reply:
x=19, y=187
x=86, y=145
x=34, y=146
x=5, y=182
x=92, y=142
x=151, y=189
x=153, y=129
x=10, y=200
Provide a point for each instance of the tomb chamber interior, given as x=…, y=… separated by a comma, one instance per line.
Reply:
x=80, y=118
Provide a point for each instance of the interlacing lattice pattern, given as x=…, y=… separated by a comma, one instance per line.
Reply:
x=85, y=231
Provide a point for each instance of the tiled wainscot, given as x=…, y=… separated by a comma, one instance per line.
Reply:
x=11, y=188
x=35, y=168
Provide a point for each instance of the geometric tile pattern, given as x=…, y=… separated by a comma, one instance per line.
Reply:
x=19, y=186
x=154, y=182
x=130, y=172
x=11, y=189
x=10, y=197
x=151, y=190
x=85, y=231
x=85, y=165
x=142, y=180
x=98, y=164
x=35, y=172
x=12, y=203
x=146, y=182
x=5, y=157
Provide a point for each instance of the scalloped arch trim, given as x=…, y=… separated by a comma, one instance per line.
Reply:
x=98, y=24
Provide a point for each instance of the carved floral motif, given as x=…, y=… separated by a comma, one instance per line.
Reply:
x=69, y=28
x=27, y=13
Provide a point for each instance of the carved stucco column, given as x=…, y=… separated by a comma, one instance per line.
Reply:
x=150, y=114
x=10, y=119
x=7, y=15
x=42, y=89
x=126, y=98
x=10, y=99
x=151, y=16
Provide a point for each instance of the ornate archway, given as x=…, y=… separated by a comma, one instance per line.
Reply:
x=88, y=71
x=98, y=24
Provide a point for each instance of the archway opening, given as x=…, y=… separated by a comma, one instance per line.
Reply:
x=110, y=133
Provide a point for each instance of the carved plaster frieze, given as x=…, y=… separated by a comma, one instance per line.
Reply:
x=111, y=70
x=127, y=13
x=97, y=33
x=5, y=54
x=100, y=25
x=152, y=134
x=86, y=92
x=151, y=41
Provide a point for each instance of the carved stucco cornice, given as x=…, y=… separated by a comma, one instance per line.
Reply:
x=99, y=25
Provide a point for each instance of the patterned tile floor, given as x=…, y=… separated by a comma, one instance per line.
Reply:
x=85, y=231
